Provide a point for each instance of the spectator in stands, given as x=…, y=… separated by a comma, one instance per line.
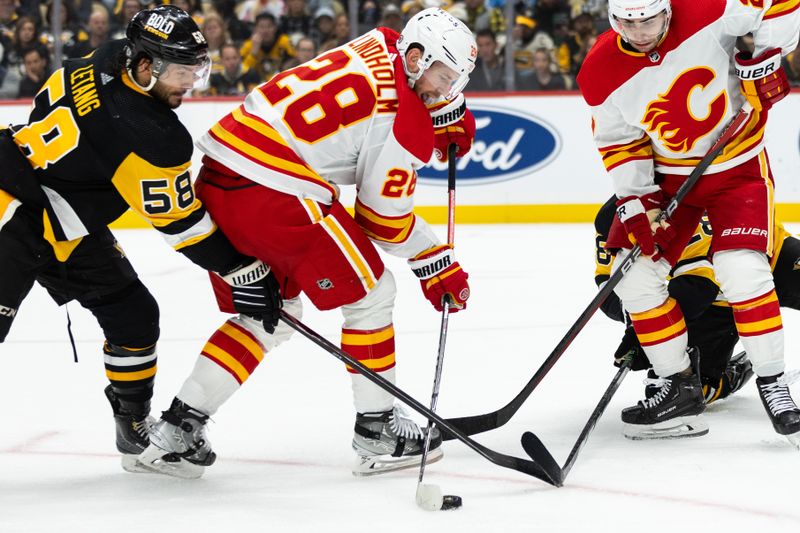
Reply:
x=547, y=13
x=238, y=28
x=324, y=21
x=543, y=78
x=528, y=39
x=8, y=19
x=583, y=34
x=192, y=7
x=341, y=33
x=98, y=30
x=489, y=74
x=369, y=14
x=235, y=79
x=213, y=29
x=123, y=13
x=391, y=18
x=477, y=15
x=305, y=51
x=267, y=49
x=26, y=35
x=72, y=31
x=36, y=62
x=248, y=10
x=296, y=21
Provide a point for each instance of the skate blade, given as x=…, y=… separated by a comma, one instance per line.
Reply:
x=794, y=439
x=131, y=463
x=156, y=460
x=677, y=428
x=381, y=464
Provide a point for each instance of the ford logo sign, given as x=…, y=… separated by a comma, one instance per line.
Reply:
x=509, y=144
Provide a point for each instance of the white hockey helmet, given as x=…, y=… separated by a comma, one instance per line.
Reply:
x=636, y=9
x=443, y=38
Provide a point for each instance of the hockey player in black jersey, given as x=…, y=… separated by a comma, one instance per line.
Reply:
x=710, y=324
x=102, y=138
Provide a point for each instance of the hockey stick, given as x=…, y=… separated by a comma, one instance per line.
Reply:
x=534, y=447
x=471, y=425
x=430, y=496
x=549, y=474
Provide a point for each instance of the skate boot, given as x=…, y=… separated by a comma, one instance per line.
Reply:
x=782, y=411
x=390, y=441
x=673, y=411
x=133, y=422
x=178, y=443
x=736, y=375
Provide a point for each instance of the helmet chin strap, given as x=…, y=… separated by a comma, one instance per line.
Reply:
x=156, y=65
x=149, y=86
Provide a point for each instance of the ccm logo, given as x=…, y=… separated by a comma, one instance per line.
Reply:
x=744, y=231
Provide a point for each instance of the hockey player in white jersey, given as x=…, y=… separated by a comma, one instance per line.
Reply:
x=661, y=85
x=356, y=115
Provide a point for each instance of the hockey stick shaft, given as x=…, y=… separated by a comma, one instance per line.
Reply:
x=540, y=454
x=525, y=466
x=471, y=425
x=437, y=376
x=595, y=416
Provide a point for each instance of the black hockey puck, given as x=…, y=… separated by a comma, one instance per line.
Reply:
x=450, y=502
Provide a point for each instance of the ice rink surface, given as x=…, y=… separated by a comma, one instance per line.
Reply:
x=283, y=440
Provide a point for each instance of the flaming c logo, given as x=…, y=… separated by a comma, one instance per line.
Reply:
x=670, y=118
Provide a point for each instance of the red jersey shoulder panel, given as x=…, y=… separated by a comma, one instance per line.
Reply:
x=412, y=127
x=608, y=66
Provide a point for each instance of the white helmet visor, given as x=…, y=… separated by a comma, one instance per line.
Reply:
x=184, y=76
x=444, y=80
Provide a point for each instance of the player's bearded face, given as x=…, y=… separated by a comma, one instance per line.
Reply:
x=644, y=34
x=172, y=96
x=436, y=82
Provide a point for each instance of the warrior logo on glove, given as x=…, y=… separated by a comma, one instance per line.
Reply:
x=440, y=275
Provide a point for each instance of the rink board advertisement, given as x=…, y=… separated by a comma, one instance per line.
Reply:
x=533, y=159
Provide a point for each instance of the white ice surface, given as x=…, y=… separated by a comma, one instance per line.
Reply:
x=283, y=439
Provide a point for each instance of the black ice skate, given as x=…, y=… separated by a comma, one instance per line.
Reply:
x=671, y=411
x=389, y=441
x=178, y=443
x=133, y=423
x=782, y=411
x=738, y=372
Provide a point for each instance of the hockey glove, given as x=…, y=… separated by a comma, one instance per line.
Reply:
x=453, y=123
x=638, y=215
x=255, y=292
x=762, y=79
x=440, y=274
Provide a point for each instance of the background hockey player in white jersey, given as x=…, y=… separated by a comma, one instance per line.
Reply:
x=661, y=89
x=355, y=115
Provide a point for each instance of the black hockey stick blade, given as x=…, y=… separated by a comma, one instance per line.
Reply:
x=524, y=466
x=539, y=454
x=470, y=425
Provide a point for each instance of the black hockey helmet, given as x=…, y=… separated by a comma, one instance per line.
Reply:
x=168, y=36
x=166, y=32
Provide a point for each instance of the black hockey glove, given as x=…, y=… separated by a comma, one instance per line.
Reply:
x=255, y=292
x=630, y=349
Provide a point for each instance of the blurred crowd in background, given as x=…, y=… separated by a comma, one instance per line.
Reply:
x=252, y=40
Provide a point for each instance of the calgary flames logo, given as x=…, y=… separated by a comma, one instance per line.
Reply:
x=670, y=118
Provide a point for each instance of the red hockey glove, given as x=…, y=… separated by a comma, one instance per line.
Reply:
x=255, y=292
x=439, y=274
x=452, y=123
x=763, y=81
x=638, y=215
